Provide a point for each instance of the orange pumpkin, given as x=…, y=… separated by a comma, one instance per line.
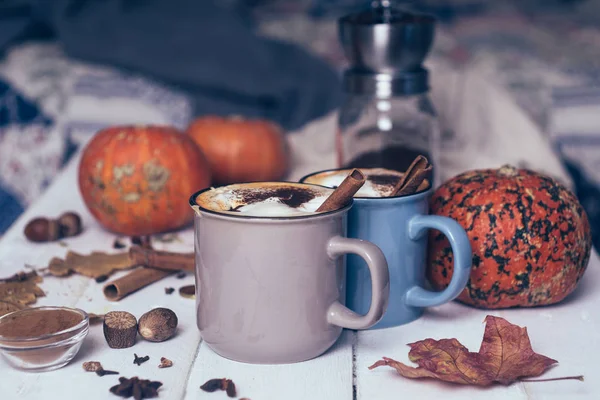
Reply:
x=530, y=237
x=241, y=150
x=136, y=180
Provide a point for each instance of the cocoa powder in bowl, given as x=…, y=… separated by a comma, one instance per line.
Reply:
x=35, y=323
x=42, y=338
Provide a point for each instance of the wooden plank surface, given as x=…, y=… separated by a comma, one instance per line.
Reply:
x=327, y=377
x=568, y=332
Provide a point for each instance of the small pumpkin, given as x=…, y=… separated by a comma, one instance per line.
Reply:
x=530, y=237
x=241, y=150
x=136, y=180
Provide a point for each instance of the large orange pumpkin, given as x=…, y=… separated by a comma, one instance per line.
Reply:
x=136, y=180
x=530, y=237
x=241, y=150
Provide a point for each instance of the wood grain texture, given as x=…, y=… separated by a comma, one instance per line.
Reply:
x=327, y=377
x=568, y=332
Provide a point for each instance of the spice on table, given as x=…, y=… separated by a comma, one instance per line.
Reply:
x=158, y=325
x=118, y=244
x=95, y=366
x=132, y=282
x=120, y=329
x=93, y=265
x=166, y=260
x=181, y=275
x=230, y=389
x=139, y=360
x=212, y=385
x=103, y=372
x=101, y=278
x=143, y=241
x=138, y=388
x=92, y=366
x=169, y=290
x=165, y=363
x=188, y=291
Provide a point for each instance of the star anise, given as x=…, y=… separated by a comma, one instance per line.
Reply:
x=138, y=388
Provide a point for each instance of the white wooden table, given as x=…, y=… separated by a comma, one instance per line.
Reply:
x=569, y=333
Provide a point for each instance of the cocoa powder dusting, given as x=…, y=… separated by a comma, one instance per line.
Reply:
x=38, y=323
x=291, y=196
x=383, y=179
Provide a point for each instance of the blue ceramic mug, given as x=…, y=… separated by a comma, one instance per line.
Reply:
x=398, y=226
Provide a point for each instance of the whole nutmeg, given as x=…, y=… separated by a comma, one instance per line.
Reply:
x=158, y=325
x=42, y=230
x=70, y=224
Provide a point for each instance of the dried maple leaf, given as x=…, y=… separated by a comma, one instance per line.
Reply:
x=505, y=356
x=19, y=290
x=93, y=265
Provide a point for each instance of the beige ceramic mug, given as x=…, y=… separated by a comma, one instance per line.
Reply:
x=270, y=289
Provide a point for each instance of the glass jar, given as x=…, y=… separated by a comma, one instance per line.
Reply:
x=386, y=131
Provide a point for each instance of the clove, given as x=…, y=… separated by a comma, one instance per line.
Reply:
x=102, y=372
x=140, y=360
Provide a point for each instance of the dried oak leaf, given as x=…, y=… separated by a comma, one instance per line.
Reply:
x=94, y=265
x=505, y=356
x=19, y=290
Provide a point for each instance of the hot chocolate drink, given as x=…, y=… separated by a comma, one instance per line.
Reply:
x=380, y=181
x=264, y=199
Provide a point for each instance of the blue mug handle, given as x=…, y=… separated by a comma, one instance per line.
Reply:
x=461, y=249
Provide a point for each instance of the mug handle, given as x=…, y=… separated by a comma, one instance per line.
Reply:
x=340, y=315
x=461, y=249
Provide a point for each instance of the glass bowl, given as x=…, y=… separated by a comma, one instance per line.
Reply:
x=47, y=352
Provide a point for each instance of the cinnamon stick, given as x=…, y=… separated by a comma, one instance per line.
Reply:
x=344, y=193
x=135, y=280
x=413, y=178
x=165, y=260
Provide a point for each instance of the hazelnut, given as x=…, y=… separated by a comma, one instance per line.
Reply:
x=70, y=224
x=42, y=230
x=158, y=325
